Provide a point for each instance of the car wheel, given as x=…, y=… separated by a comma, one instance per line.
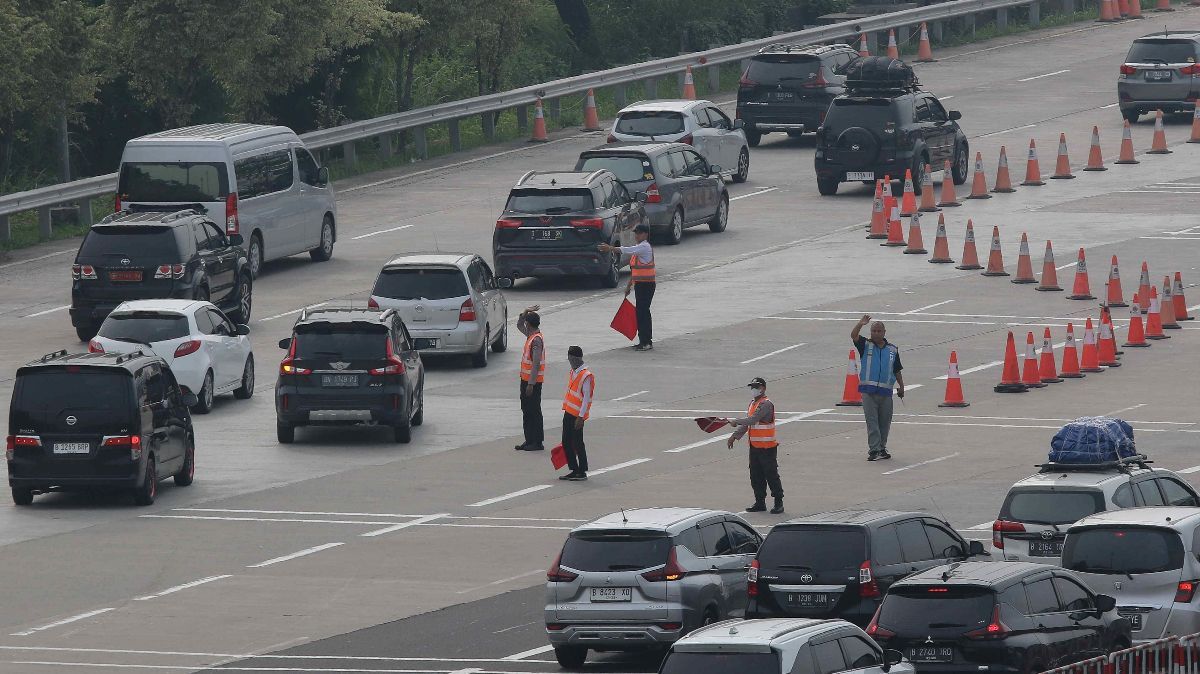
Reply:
x=204, y=398
x=753, y=138
x=85, y=332
x=674, y=233
x=402, y=433
x=1131, y=116
x=610, y=278
x=324, y=250
x=188, y=472
x=917, y=171
x=721, y=219
x=419, y=417
x=958, y=172
x=570, y=657
x=255, y=255
x=245, y=301
x=743, y=171
x=827, y=188
x=144, y=495
x=285, y=433
x=480, y=359
x=22, y=496
x=501, y=344
x=200, y=294
x=247, y=388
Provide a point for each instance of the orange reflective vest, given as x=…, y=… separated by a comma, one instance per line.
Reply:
x=642, y=273
x=527, y=359
x=762, y=434
x=573, y=400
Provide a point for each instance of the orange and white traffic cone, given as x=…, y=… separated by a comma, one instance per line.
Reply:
x=1031, y=376
x=1106, y=317
x=1082, y=289
x=916, y=246
x=863, y=50
x=1159, y=144
x=1135, y=9
x=995, y=265
x=1195, y=138
x=1126, y=156
x=1122, y=9
x=1106, y=342
x=1137, y=335
x=1116, y=298
x=941, y=246
x=908, y=200
x=1010, y=377
x=893, y=51
x=1033, y=171
x=1062, y=171
x=1095, y=156
x=878, y=213
x=1003, y=182
x=1090, y=361
x=1049, y=272
x=1154, y=327
x=1070, y=359
x=927, y=202
x=1024, y=264
x=851, y=397
x=591, y=119
x=1144, y=288
x=1163, y=6
x=1167, y=312
x=895, y=231
x=1046, y=364
x=924, y=50
x=979, y=186
x=1106, y=11
x=970, y=257
x=954, y=393
x=948, y=197
x=1181, y=312
x=689, y=85
x=539, y=124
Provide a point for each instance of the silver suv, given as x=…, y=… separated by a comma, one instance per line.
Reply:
x=1148, y=559
x=641, y=579
x=774, y=646
x=1037, y=511
x=1160, y=72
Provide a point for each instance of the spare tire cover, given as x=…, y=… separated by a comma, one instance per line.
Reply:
x=857, y=146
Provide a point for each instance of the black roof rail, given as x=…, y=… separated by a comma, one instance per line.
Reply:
x=126, y=357
x=1124, y=465
x=347, y=307
x=52, y=356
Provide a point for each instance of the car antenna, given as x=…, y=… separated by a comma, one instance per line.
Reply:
x=939, y=509
x=624, y=520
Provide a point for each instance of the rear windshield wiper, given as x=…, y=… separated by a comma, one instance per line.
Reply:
x=938, y=625
x=793, y=78
x=130, y=340
x=557, y=210
x=625, y=567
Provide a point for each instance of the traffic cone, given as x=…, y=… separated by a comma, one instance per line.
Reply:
x=1095, y=156
x=1167, y=310
x=1195, y=126
x=1106, y=11
x=1090, y=362
x=1049, y=272
x=1030, y=375
x=941, y=247
x=1159, y=144
x=878, y=214
x=970, y=258
x=927, y=202
x=1024, y=264
x=1144, y=288
x=689, y=85
x=1070, y=360
x=1062, y=171
x=1046, y=365
x=954, y=394
x=1106, y=317
x=1033, y=172
x=995, y=265
x=895, y=232
x=1137, y=334
x=1122, y=8
x=591, y=119
x=863, y=50
x=1135, y=9
x=1164, y=6
x=1003, y=183
x=1106, y=343
x=1126, y=156
x=1181, y=313
x=908, y=201
x=1081, y=290
x=916, y=245
x=948, y=197
x=539, y=124
x=924, y=51
x=979, y=186
x=1010, y=378
x=1115, y=298
x=851, y=397
x=1154, y=327
x=893, y=51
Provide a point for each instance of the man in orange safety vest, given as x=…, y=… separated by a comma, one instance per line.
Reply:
x=764, y=447
x=577, y=406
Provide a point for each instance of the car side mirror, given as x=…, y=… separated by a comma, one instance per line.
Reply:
x=323, y=176
x=236, y=240
x=189, y=399
x=641, y=197
x=714, y=170
x=976, y=548
x=1105, y=603
x=285, y=343
x=243, y=329
x=891, y=657
x=955, y=115
x=739, y=124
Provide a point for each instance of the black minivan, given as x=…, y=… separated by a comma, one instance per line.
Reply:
x=98, y=420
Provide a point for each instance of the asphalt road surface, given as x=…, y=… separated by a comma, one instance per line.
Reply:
x=346, y=552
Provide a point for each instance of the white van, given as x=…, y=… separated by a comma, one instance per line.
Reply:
x=259, y=180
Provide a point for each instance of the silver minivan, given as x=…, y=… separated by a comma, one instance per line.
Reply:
x=258, y=181
x=1160, y=72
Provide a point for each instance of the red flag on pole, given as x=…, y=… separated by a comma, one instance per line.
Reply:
x=625, y=322
x=558, y=457
x=710, y=424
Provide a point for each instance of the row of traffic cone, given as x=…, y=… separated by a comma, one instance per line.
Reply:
x=924, y=49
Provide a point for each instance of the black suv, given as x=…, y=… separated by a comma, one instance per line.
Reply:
x=349, y=365
x=98, y=420
x=147, y=253
x=839, y=564
x=789, y=87
x=885, y=124
x=553, y=222
x=997, y=617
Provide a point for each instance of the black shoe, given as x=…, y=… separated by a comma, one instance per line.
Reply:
x=644, y=347
x=577, y=477
x=872, y=456
x=531, y=448
x=778, y=507
x=568, y=476
x=757, y=508
x=884, y=455
x=519, y=448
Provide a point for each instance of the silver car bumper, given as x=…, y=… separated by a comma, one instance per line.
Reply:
x=464, y=339
x=777, y=126
x=618, y=636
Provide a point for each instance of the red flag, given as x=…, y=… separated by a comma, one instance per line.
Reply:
x=625, y=322
x=710, y=424
x=558, y=457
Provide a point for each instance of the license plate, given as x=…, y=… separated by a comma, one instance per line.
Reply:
x=1045, y=548
x=72, y=447
x=547, y=234
x=421, y=343
x=931, y=654
x=339, y=380
x=125, y=275
x=808, y=599
x=860, y=175
x=1135, y=620
x=784, y=95
x=612, y=594
x=1158, y=74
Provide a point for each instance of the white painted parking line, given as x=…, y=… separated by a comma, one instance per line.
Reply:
x=511, y=495
x=927, y=306
x=1189, y=471
x=293, y=311
x=773, y=353
x=60, y=623
x=1015, y=128
x=618, y=466
x=185, y=586
x=922, y=463
x=529, y=653
x=381, y=231
x=725, y=436
x=403, y=525
x=628, y=396
x=753, y=194
x=48, y=311
x=1038, y=77
x=295, y=555
x=35, y=259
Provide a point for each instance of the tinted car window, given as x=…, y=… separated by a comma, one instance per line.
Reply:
x=341, y=341
x=1162, y=51
x=144, y=326
x=1123, y=496
x=1072, y=597
x=669, y=164
x=624, y=551
x=1042, y=598
x=936, y=112
x=885, y=546
x=937, y=607
x=716, y=539
x=690, y=539
x=858, y=653
x=1149, y=493
x=413, y=284
x=221, y=320
x=719, y=119
x=53, y=390
x=872, y=113
x=1175, y=493
x=829, y=657
x=650, y=123
x=944, y=544
x=913, y=541
x=204, y=322
x=742, y=539
x=173, y=182
x=773, y=70
x=1015, y=597
x=628, y=168
x=679, y=662
x=921, y=113
x=1051, y=507
x=263, y=174
x=140, y=241
x=307, y=166
x=814, y=547
x=1121, y=550
x=549, y=201
x=696, y=166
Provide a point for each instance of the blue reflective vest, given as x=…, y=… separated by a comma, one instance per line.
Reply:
x=876, y=373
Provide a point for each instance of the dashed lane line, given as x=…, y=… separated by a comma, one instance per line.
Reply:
x=919, y=464
x=381, y=231
x=535, y=572
x=257, y=656
x=529, y=653
x=510, y=495
x=726, y=436
x=48, y=311
x=352, y=514
x=753, y=194
x=1038, y=77
x=1189, y=471
x=293, y=311
x=618, y=466
x=35, y=259
x=403, y=525
x=773, y=353
x=60, y=623
x=295, y=555
x=628, y=396
x=180, y=588
x=927, y=306
x=1003, y=131
x=217, y=667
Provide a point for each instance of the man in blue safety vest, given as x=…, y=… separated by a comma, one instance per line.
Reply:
x=879, y=372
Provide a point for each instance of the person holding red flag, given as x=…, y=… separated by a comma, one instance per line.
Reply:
x=764, y=448
x=533, y=373
x=641, y=282
x=577, y=406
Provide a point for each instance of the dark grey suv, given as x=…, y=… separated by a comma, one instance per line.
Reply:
x=789, y=88
x=1160, y=73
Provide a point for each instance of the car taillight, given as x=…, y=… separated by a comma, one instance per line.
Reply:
x=611, y=138
x=672, y=570
x=687, y=140
x=1127, y=69
x=877, y=632
x=505, y=223
x=1185, y=591
x=653, y=196
x=190, y=346
x=83, y=271
x=74, y=272
x=163, y=271
x=867, y=587
x=555, y=627
x=745, y=81
x=286, y=366
x=752, y=579
x=133, y=442
x=95, y=347
x=467, y=311
x=394, y=366
x=1193, y=69
x=556, y=574
x=1001, y=527
x=15, y=441
x=994, y=630
x=371, y=303
x=177, y=270
x=670, y=627
x=231, y=214
x=595, y=223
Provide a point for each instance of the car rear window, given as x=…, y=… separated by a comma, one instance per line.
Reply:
x=1162, y=51
x=650, y=123
x=1123, y=550
x=615, y=551
x=937, y=607
x=421, y=284
x=144, y=327
x=869, y=113
x=549, y=201
x=53, y=390
x=341, y=341
x=629, y=168
x=680, y=662
x=173, y=181
x=151, y=243
x=823, y=548
x=782, y=69
x=1052, y=506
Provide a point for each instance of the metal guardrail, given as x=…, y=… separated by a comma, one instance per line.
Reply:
x=44, y=198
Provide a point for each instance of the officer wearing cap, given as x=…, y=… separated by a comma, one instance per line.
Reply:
x=641, y=282
x=764, y=449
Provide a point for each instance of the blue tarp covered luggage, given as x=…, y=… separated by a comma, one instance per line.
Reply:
x=1092, y=440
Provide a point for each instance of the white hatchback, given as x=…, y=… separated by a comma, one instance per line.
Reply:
x=206, y=352
x=700, y=124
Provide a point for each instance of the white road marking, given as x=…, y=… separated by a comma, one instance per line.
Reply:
x=922, y=463
x=185, y=586
x=832, y=413
x=35, y=259
x=1183, y=192
x=502, y=581
x=1038, y=77
x=381, y=231
x=754, y=194
x=726, y=436
x=775, y=352
x=258, y=656
x=927, y=306
x=1123, y=409
x=60, y=623
x=294, y=555
x=891, y=320
x=505, y=497
x=1015, y=128
x=627, y=397
x=118, y=665
x=912, y=387
x=48, y=311
x=313, y=512
x=992, y=364
x=1064, y=266
x=1188, y=471
x=529, y=653
x=294, y=311
x=618, y=466
x=980, y=527
x=1110, y=105
x=1171, y=238
x=945, y=98
x=403, y=525
x=217, y=518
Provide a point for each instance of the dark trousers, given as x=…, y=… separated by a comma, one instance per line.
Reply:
x=572, y=442
x=644, y=294
x=531, y=414
x=764, y=471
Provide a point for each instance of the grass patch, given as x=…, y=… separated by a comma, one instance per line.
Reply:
x=25, y=231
